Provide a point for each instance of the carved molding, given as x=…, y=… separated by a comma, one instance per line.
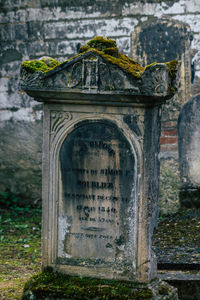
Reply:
x=155, y=80
x=58, y=119
x=27, y=79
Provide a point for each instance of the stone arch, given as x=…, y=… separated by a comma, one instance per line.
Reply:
x=67, y=130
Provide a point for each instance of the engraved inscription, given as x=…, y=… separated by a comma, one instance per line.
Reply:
x=97, y=179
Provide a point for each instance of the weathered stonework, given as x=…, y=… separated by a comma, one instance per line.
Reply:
x=54, y=286
x=189, y=158
x=31, y=29
x=172, y=39
x=25, y=142
x=169, y=187
x=100, y=161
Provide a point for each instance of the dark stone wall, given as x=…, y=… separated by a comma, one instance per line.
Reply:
x=87, y=5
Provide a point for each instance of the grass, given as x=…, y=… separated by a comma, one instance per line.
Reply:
x=20, y=250
x=52, y=285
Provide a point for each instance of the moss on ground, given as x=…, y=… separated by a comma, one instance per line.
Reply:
x=53, y=284
x=20, y=250
x=177, y=238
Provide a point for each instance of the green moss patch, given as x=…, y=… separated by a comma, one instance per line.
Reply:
x=126, y=64
x=180, y=229
x=107, y=49
x=53, y=284
x=20, y=249
x=101, y=43
x=177, y=239
x=44, y=65
x=172, y=67
x=84, y=48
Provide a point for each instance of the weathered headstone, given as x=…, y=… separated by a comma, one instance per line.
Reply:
x=189, y=155
x=164, y=39
x=100, y=160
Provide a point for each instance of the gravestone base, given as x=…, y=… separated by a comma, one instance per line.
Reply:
x=52, y=286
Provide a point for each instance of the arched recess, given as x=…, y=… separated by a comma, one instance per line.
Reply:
x=67, y=204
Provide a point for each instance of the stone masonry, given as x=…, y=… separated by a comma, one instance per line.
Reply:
x=31, y=29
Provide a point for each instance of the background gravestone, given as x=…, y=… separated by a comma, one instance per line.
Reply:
x=163, y=40
x=189, y=152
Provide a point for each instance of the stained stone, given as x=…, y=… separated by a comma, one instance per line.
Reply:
x=97, y=173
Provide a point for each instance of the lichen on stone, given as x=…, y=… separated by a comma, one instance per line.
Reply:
x=172, y=67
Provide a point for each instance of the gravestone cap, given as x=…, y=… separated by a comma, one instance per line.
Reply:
x=99, y=69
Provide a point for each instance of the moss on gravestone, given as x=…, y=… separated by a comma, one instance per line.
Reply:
x=51, y=285
x=44, y=65
x=56, y=286
x=107, y=49
x=101, y=43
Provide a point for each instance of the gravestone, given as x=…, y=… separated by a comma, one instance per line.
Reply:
x=100, y=160
x=189, y=157
x=164, y=39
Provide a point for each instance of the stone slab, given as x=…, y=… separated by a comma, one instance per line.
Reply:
x=189, y=158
